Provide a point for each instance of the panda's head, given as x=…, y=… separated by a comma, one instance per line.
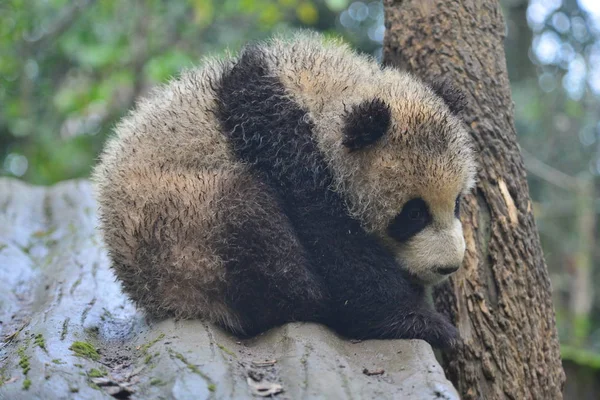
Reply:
x=402, y=158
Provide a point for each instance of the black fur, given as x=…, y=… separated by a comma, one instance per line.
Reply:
x=269, y=279
x=350, y=281
x=366, y=123
x=454, y=98
x=457, y=207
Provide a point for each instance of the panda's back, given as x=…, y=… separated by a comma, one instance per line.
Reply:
x=174, y=126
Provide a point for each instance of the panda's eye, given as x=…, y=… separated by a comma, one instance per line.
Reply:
x=414, y=214
x=457, y=207
x=413, y=218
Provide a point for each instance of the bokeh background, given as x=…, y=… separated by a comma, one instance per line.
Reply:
x=70, y=68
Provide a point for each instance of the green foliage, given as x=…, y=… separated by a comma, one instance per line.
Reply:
x=70, y=70
x=580, y=356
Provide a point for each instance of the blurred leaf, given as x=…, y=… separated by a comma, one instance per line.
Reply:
x=580, y=356
x=203, y=12
x=250, y=6
x=574, y=109
x=269, y=16
x=163, y=67
x=336, y=5
x=307, y=13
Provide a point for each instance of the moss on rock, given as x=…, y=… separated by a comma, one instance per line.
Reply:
x=85, y=350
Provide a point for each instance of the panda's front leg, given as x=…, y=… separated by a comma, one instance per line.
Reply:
x=420, y=323
x=267, y=273
x=384, y=305
x=371, y=295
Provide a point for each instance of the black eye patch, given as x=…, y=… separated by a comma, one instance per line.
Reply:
x=457, y=207
x=413, y=218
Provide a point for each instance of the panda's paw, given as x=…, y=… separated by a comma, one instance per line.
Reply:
x=427, y=325
x=440, y=333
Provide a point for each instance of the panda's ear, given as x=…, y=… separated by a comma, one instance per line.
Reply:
x=366, y=123
x=454, y=98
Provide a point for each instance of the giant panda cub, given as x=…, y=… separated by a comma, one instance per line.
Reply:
x=298, y=181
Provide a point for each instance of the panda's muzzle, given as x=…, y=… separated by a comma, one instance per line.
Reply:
x=447, y=270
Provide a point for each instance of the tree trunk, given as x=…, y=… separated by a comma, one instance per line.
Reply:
x=501, y=299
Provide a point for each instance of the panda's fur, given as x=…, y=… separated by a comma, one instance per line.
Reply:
x=282, y=185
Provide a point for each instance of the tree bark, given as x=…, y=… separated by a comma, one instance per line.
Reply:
x=501, y=299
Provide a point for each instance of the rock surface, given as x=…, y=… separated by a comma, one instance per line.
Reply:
x=67, y=331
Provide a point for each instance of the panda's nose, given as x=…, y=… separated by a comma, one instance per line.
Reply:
x=448, y=269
